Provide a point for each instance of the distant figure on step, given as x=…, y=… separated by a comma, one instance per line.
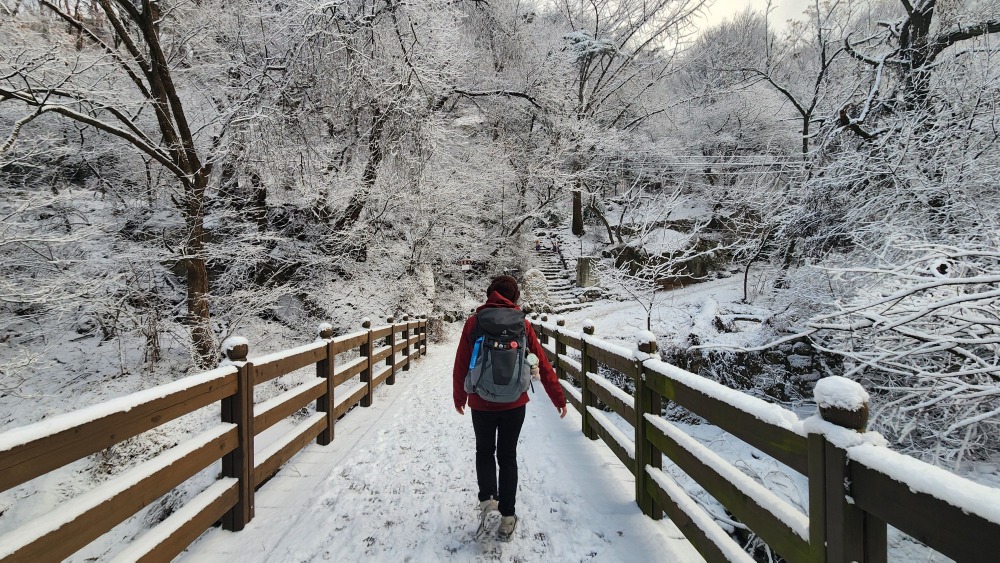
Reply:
x=538, y=245
x=555, y=246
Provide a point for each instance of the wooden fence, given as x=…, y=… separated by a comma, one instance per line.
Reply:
x=37, y=449
x=856, y=486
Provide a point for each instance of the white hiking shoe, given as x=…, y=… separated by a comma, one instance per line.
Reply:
x=507, y=526
x=486, y=508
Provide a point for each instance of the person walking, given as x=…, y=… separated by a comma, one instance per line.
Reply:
x=497, y=425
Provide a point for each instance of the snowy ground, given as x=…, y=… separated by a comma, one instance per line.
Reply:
x=398, y=484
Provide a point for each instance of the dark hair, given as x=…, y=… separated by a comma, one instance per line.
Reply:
x=506, y=286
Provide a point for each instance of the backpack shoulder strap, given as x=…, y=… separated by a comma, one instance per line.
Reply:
x=476, y=333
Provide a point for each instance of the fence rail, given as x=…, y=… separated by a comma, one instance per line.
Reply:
x=856, y=486
x=35, y=450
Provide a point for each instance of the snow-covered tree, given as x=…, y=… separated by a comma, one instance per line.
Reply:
x=127, y=71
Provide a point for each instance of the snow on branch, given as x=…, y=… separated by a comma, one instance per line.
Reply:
x=924, y=328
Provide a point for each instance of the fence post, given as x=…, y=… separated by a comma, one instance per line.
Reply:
x=324, y=369
x=646, y=402
x=560, y=349
x=406, y=339
x=424, y=335
x=544, y=338
x=238, y=409
x=419, y=332
x=366, y=374
x=391, y=359
x=838, y=530
x=422, y=332
x=587, y=365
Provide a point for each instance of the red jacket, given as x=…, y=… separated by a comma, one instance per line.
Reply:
x=464, y=354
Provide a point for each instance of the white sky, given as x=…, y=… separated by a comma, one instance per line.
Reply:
x=782, y=10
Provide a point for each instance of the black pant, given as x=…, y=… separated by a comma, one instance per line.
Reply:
x=497, y=433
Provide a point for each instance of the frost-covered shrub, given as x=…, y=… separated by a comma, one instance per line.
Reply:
x=921, y=329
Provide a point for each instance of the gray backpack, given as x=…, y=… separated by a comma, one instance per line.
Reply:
x=498, y=369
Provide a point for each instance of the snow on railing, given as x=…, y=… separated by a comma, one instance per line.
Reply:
x=619, y=437
x=921, y=477
x=60, y=423
x=613, y=389
x=785, y=512
x=291, y=352
x=568, y=388
x=571, y=362
x=49, y=445
x=705, y=522
x=759, y=408
x=76, y=510
x=921, y=492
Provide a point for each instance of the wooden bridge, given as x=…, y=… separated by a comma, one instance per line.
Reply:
x=855, y=486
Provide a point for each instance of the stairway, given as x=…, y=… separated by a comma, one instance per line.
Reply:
x=563, y=293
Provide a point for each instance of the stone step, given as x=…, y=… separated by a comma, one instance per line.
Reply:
x=568, y=308
x=565, y=292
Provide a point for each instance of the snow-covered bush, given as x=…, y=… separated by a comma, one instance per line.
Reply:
x=922, y=329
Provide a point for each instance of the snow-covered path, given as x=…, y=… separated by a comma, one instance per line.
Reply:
x=398, y=484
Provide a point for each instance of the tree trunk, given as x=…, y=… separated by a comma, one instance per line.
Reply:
x=357, y=204
x=805, y=136
x=914, y=41
x=172, y=146
x=174, y=126
x=197, y=275
x=578, y=213
x=257, y=211
x=600, y=215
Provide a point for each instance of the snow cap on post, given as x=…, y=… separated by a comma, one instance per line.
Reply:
x=588, y=327
x=366, y=323
x=236, y=348
x=560, y=321
x=325, y=331
x=647, y=342
x=842, y=402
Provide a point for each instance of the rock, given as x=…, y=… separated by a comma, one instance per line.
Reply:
x=799, y=364
x=802, y=349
